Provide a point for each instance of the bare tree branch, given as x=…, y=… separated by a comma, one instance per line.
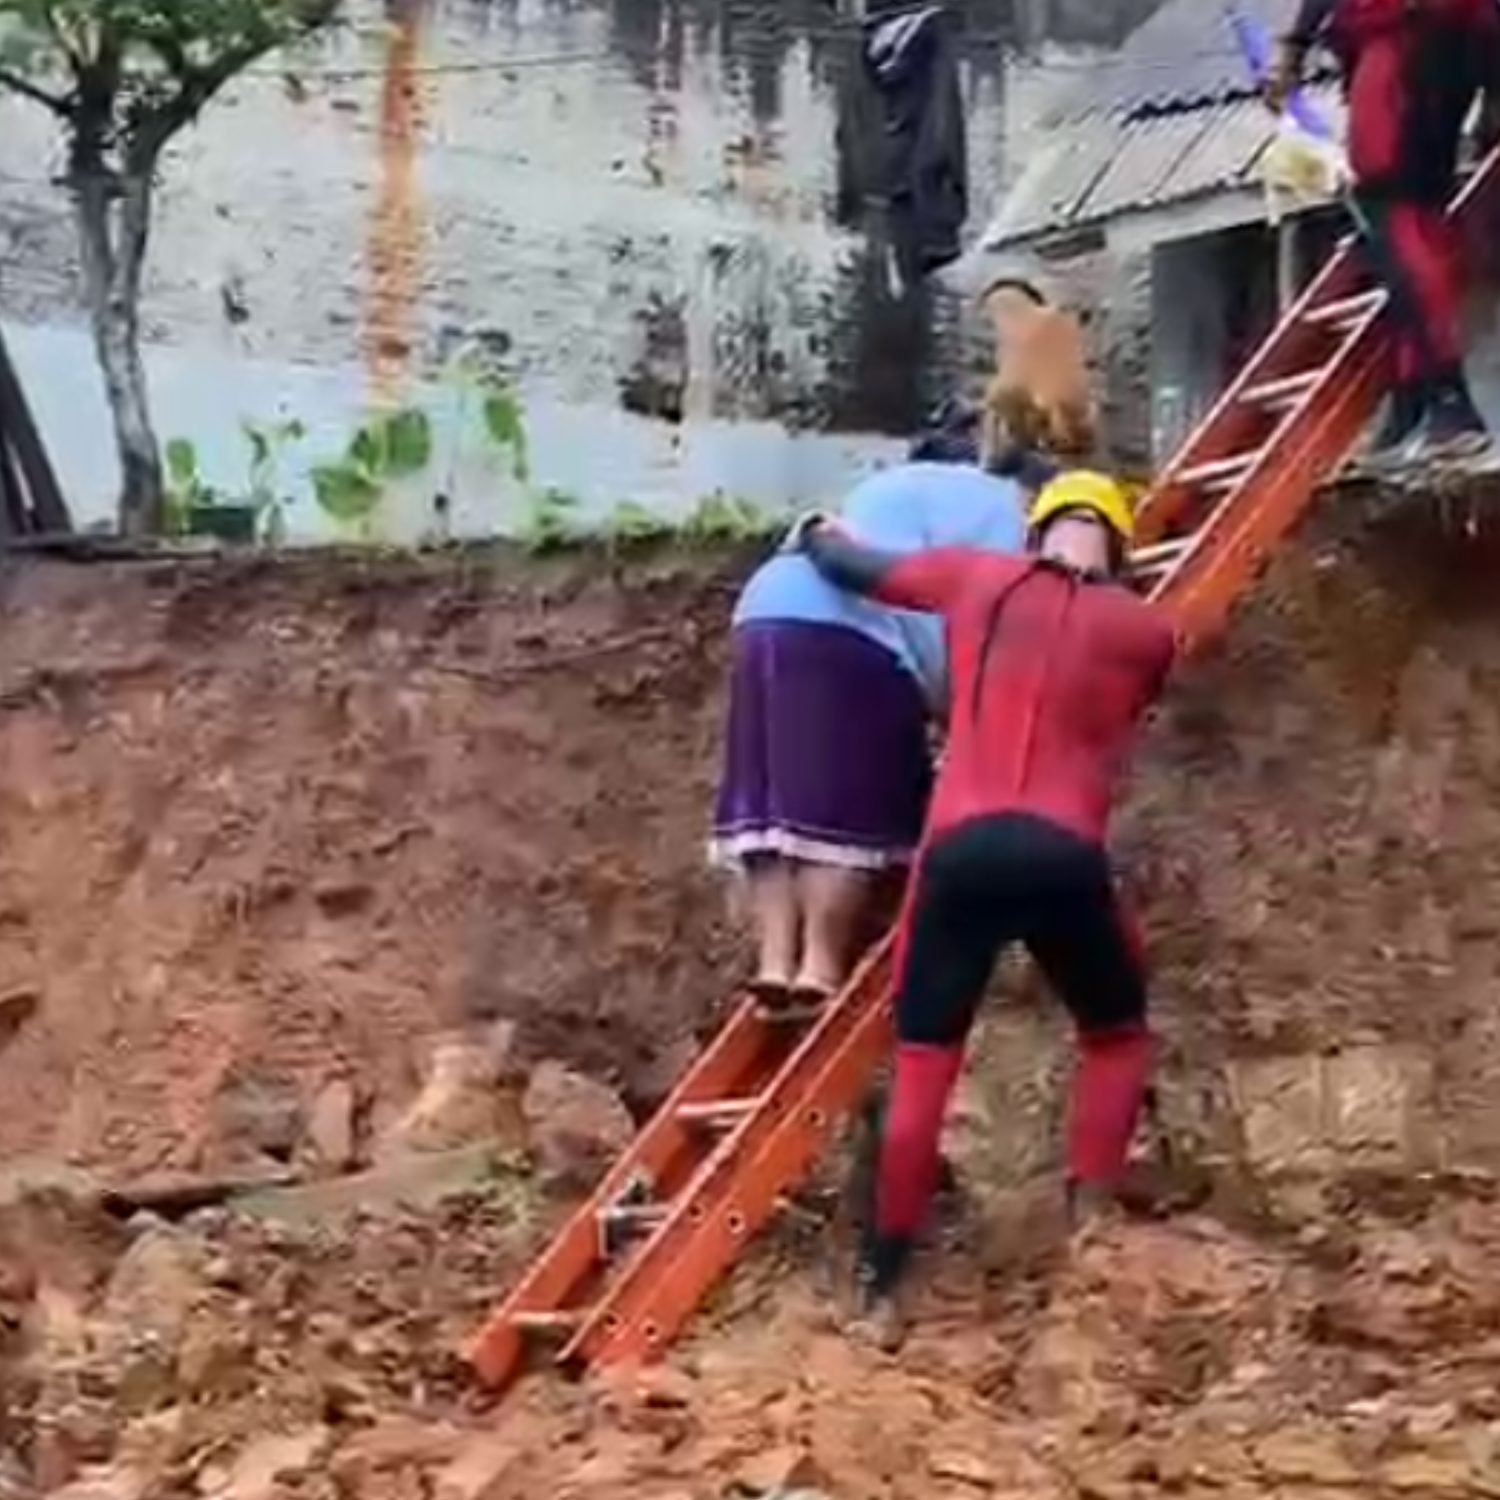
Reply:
x=28, y=90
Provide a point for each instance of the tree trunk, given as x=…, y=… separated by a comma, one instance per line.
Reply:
x=113, y=228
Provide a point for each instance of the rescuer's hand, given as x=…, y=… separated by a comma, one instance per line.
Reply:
x=1285, y=76
x=796, y=538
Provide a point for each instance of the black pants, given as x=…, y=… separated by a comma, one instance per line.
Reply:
x=1014, y=878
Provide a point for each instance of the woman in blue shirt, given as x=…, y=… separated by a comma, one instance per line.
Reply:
x=827, y=766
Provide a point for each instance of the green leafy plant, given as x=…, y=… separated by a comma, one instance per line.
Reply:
x=727, y=518
x=268, y=443
x=549, y=522
x=631, y=524
x=385, y=449
x=123, y=78
x=186, y=490
x=503, y=421
x=487, y=400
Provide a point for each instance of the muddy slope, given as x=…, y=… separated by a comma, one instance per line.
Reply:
x=266, y=826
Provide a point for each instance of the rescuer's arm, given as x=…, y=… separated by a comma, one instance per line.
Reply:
x=846, y=563
x=928, y=581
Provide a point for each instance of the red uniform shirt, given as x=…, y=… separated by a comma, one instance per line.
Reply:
x=1050, y=676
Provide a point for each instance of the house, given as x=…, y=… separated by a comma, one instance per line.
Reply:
x=1155, y=159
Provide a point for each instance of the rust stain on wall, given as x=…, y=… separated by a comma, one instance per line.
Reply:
x=398, y=229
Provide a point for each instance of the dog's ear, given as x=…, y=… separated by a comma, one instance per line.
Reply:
x=1018, y=285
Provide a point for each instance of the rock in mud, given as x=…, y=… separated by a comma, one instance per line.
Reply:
x=331, y=1127
x=469, y=1096
x=775, y=1473
x=264, y=1114
x=107, y=1484
x=262, y=1469
x=483, y=1470
x=577, y=1125
x=154, y=1287
x=1310, y=1456
x=215, y=1360
x=392, y=1446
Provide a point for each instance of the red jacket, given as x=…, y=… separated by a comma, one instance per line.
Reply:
x=1347, y=24
x=1050, y=675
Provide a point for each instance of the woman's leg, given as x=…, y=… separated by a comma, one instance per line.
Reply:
x=772, y=883
x=833, y=900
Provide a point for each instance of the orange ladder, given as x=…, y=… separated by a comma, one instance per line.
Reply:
x=628, y=1268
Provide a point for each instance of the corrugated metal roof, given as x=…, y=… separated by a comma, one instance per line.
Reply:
x=1173, y=117
x=1183, y=57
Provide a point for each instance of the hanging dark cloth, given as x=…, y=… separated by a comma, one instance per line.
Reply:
x=904, y=149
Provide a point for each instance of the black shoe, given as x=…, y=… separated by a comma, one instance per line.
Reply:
x=881, y=1316
x=1089, y=1203
x=1454, y=428
x=1403, y=418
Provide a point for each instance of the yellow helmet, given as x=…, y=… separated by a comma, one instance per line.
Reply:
x=1081, y=489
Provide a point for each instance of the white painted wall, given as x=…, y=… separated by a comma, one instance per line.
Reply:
x=576, y=197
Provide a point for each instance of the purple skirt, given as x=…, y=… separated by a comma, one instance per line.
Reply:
x=826, y=757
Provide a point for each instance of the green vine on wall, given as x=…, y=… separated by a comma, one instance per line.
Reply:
x=401, y=445
x=384, y=450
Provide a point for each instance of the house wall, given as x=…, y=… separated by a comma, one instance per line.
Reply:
x=627, y=205
x=1189, y=337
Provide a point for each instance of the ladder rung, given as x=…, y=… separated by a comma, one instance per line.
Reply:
x=791, y=1015
x=555, y=1323
x=717, y=1114
x=1160, y=556
x=1346, y=310
x=1222, y=471
x=635, y=1215
x=1283, y=392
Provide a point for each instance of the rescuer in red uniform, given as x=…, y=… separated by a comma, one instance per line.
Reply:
x=1054, y=662
x=1412, y=70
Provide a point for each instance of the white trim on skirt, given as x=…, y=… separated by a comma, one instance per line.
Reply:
x=732, y=850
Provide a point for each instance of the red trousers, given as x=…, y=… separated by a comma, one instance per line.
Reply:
x=1411, y=83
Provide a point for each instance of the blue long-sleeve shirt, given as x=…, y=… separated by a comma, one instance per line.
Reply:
x=910, y=507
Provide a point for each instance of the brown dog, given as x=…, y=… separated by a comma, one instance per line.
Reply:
x=1041, y=398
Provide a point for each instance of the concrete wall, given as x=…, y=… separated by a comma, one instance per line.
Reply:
x=628, y=204
x=1189, y=339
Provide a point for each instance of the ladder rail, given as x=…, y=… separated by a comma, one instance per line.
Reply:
x=1205, y=585
x=500, y=1347
x=1358, y=358
x=712, y=1211
x=1169, y=496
